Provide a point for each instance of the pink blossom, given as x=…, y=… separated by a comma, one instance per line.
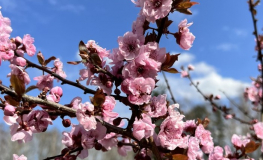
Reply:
x=57, y=92
x=109, y=141
x=217, y=154
x=87, y=121
x=205, y=139
x=227, y=151
x=228, y=116
x=75, y=103
x=193, y=148
x=190, y=67
x=109, y=103
x=239, y=141
x=155, y=9
x=16, y=157
x=38, y=120
x=19, y=71
x=101, y=82
x=100, y=51
x=258, y=127
x=129, y=45
x=9, y=110
x=122, y=150
x=20, y=61
x=156, y=53
x=143, y=128
x=28, y=43
x=58, y=69
x=157, y=106
x=19, y=134
x=138, y=89
x=44, y=81
x=190, y=126
x=170, y=135
x=9, y=120
x=184, y=74
x=137, y=26
x=141, y=66
x=217, y=97
x=184, y=38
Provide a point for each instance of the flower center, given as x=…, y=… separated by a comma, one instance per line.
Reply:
x=157, y=3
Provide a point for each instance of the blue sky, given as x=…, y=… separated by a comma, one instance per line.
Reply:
x=223, y=51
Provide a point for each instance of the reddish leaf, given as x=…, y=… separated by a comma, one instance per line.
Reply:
x=18, y=85
x=185, y=11
x=99, y=98
x=49, y=60
x=150, y=37
x=11, y=101
x=186, y=5
x=74, y=62
x=95, y=59
x=169, y=61
x=251, y=147
x=40, y=58
x=180, y=157
x=82, y=48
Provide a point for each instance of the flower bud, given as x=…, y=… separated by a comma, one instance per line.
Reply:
x=66, y=122
x=117, y=121
x=9, y=110
x=108, y=84
x=98, y=146
x=117, y=91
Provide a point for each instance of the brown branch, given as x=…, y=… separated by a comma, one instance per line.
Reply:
x=61, y=155
x=238, y=107
x=213, y=103
x=66, y=81
x=260, y=58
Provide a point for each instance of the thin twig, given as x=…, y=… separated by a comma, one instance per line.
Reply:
x=213, y=103
x=238, y=107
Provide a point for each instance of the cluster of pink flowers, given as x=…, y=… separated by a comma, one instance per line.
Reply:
x=133, y=70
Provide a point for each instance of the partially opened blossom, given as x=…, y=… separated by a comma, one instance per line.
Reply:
x=28, y=43
x=16, y=157
x=239, y=141
x=20, y=72
x=258, y=127
x=9, y=110
x=44, y=81
x=138, y=89
x=85, y=117
x=58, y=69
x=193, y=148
x=205, y=139
x=184, y=38
x=216, y=154
x=157, y=106
x=109, y=141
x=184, y=74
x=38, y=120
x=137, y=26
x=154, y=9
x=93, y=46
x=102, y=82
x=170, y=135
x=190, y=67
x=20, y=134
x=109, y=103
x=143, y=128
x=122, y=150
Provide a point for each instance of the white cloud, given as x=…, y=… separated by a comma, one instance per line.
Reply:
x=240, y=32
x=210, y=82
x=227, y=47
